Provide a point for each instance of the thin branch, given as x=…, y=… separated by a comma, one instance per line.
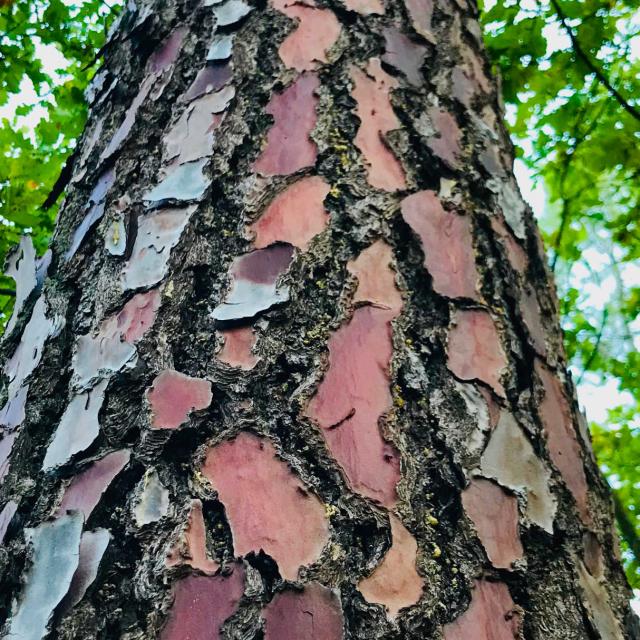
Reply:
x=626, y=526
x=7, y=292
x=592, y=66
x=596, y=346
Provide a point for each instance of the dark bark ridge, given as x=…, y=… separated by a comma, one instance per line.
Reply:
x=296, y=369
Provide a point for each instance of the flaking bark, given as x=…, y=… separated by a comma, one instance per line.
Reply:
x=296, y=366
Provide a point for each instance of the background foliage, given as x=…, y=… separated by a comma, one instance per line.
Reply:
x=569, y=72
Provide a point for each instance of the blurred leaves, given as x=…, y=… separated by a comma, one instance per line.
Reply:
x=571, y=81
x=36, y=137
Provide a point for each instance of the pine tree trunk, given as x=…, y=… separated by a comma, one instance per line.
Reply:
x=294, y=369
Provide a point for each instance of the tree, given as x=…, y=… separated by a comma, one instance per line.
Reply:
x=293, y=365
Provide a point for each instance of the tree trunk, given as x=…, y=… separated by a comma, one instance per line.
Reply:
x=295, y=370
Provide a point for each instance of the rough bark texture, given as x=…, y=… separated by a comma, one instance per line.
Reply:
x=295, y=370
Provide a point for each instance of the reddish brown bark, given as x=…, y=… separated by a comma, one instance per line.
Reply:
x=295, y=370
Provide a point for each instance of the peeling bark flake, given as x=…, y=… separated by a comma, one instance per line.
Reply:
x=597, y=600
x=86, y=488
x=152, y=500
x=173, y=396
x=237, y=348
x=12, y=415
x=212, y=77
x=157, y=75
x=492, y=615
x=316, y=32
x=289, y=146
x=254, y=283
x=6, y=445
x=365, y=7
x=191, y=547
x=447, y=243
x=296, y=215
x=55, y=553
x=510, y=459
x=474, y=350
x=28, y=354
x=158, y=233
x=114, y=346
x=192, y=136
x=182, y=183
x=563, y=445
x=377, y=118
x=395, y=583
x=494, y=514
x=352, y=397
x=230, y=12
x=267, y=506
x=21, y=267
x=78, y=427
x=311, y=614
x=376, y=281
x=6, y=515
x=404, y=54
x=93, y=544
x=420, y=12
x=445, y=144
x=201, y=604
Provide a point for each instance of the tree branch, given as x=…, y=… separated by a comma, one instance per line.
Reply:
x=592, y=66
x=596, y=346
x=626, y=526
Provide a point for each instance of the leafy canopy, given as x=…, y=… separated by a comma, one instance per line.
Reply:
x=570, y=74
x=37, y=136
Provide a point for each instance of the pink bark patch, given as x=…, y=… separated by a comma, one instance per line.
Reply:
x=395, y=583
x=492, y=615
x=475, y=352
x=420, y=12
x=404, y=54
x=377, y=118
x=191, y=548
x=113, y=348
x=86, y=489
x=236, y=351
x=376, y=282
x=136, y=317
x=352, y=397
x=446, y=142
x=562, y=443
x=267, y=506
x=210, y=78
x=295, y=216
x=447, y=244
x=317, y=31
x=515, y=253
x=494, y=514
x=201, y=605
x=365, y=7
x=174, y=395
x=289, y=145
x=311, y=614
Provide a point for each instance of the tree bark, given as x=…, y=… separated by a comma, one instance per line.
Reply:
x=295, y=369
